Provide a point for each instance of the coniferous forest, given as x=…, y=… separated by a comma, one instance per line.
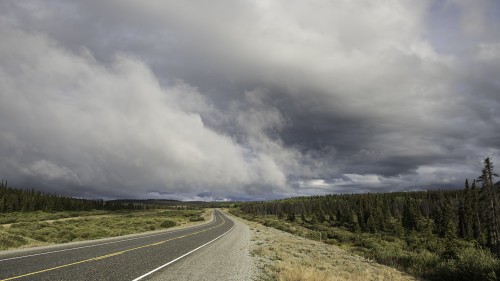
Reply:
x=440, y=235
x=26, y=200
x=29, y=200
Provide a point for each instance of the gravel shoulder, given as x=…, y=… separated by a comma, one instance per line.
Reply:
x=227, y=258
x=252, y=251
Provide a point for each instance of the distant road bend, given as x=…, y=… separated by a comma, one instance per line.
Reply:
x=123, y=258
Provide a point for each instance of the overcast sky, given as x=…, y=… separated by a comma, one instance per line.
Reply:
x=230, y=99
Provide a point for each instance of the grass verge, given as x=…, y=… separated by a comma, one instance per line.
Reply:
x=286, y=257
x=415, y=253
x=36, y=229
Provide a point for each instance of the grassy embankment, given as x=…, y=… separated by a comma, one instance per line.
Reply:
x=286, y=257
x=29, y=229
x=411, y=254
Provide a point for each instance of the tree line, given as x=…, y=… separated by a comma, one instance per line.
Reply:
x=470, y=213
x=29, y=200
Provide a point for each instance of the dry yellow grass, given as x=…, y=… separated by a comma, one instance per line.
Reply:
x=286, y=257
x=46, y=232
x=8, y=225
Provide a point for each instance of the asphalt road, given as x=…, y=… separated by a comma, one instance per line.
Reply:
x=125, y=258
x=229, y=258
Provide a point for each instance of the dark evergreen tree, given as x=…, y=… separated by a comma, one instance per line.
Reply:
x=448, y=221
x=280, y=214
x=410, y=214
x=468, y=212
x=321, y=216
x=371, y=225
x=477, y=229
x=490, y=205
x=303, y=217
x=331, y=217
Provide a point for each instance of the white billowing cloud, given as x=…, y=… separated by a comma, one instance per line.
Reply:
x=248, y=97
x=426, y=176
x=50, y=171
x=376, y=64
x=260, y=125
x=68, y=118
x=348, y=183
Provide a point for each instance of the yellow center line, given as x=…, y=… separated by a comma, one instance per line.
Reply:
x=112, y=254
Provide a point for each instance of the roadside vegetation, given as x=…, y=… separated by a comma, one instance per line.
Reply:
x=41, y=228
x=437, y=235
x=286, y=257
x=32, y=218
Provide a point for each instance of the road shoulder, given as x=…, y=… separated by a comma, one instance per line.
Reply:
x=227, y=258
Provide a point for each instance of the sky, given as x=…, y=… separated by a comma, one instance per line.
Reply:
x=247, y=99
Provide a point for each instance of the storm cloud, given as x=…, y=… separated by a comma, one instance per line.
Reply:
x=247, y=99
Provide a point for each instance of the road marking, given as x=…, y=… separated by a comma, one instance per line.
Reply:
x=186, y=254
x=112, y=242
x=121, y=252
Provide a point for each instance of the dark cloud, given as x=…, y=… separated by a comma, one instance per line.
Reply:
x=246, y=99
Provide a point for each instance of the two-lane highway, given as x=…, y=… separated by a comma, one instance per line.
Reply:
x=131, y=258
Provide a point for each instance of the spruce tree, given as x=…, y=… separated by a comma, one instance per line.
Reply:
x=331, y=218
x=371, y=225
x=490, y=205
x=448, y=220
x=476, y=218
x=468, y=212
x=461, y=216
x=321, y=216
x=280, y=214
x=303, y=217
x=410, y=215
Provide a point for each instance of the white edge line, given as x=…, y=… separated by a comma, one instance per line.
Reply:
x=188, y=253
x=107, y=243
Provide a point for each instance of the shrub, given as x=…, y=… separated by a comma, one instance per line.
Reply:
x=168, y=223
x=8, y=240
x=471, y=264
x=22, y=225
x=46, y=234
x=197, y=218
x=8, y=220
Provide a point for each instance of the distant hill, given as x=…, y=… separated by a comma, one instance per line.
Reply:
x=29, y=200
x=147, y=201
x=161, y=203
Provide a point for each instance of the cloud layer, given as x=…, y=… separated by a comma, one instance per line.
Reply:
x=247, y=99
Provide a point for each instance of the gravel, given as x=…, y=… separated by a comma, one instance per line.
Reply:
x=228, y=258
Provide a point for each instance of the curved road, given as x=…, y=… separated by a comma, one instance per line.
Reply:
x=125, y=258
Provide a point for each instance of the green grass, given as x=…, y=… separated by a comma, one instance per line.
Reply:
x=34, y=230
